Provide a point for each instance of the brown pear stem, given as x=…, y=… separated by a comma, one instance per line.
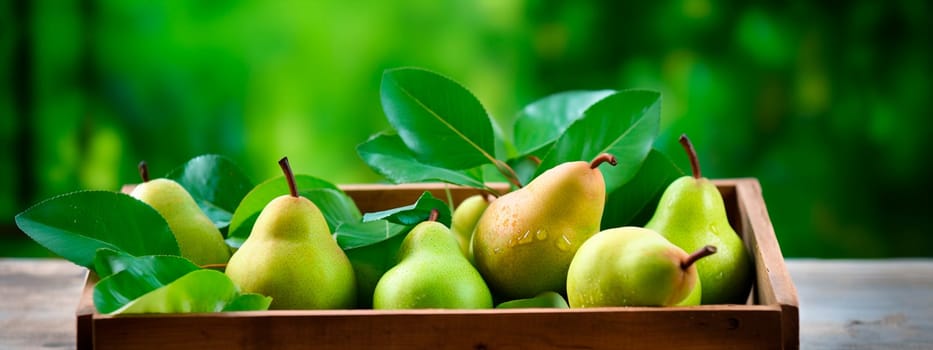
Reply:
x=692, y=154
x=289, y=176
x=697, y=255
x=143, y=171
x=219, y=267
x=534, y=159
x=603, y=158
x=509, y=173
x=434, y=214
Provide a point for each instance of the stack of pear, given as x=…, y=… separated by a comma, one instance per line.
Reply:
x=291, y=256
x=525, y=240
x=431, y=273
x=633, y=266
x=691, y=214
x=198, y=239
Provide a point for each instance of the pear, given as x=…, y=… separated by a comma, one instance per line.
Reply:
x=695, y=297
x=198, y=239
x=631, y=266
x=431, y=273
x=291, y=256
x=691, y=214
x=525, y=240
x=548, y=299
x=464, y=221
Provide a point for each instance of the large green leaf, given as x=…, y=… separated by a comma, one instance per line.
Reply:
x=413, y=214
x=138, y=276
x=216, y=184
x=624, y=124
x=337, y=207
x=353, y=235
x=438, y=119
x=388, y=156
x=635, y=202
x=108, y=262
x=540, y=123
x=197, y=291
x=76, y=224
x=163, y=284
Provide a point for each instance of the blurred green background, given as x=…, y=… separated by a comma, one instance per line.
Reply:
x=827, y=105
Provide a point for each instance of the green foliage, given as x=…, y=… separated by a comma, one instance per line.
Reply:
x=389, y=156
x=540, y=123
x=440, y=121
x=215, y=183
x=623, y=124
x=77, y=224
x=413, y=214
x=636, y=201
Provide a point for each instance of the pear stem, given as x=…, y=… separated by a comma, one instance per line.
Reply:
x=534, y=159
x=603, y=158
x=143, y=171
x=289, y=176
x=219, y=267
x=509, y=173
x=692, y=154
x=434, y=214
x=697, y=255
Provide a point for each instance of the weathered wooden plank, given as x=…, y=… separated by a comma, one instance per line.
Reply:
x=715, y=327
x=37, y=303
x=865, y=304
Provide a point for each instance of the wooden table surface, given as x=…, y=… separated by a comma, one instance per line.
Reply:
x=844, y=304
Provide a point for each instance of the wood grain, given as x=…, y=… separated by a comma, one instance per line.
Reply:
x=610, y=328
x=865, y=304
x=844, y=304
x=37, y=299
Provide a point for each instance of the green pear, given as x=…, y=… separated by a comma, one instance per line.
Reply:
x=198, y=239
x=525, y=240
x=548, y=299
x=691, y=214
x=631, y=266
x=291, y=256
x=431, y=273
x=464, y=221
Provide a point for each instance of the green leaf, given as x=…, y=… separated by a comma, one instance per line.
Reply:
x=76, y=224
x=388, y=156
x=197, y=291
x=540, y=123
x=108, y=262
x=216, y=184
x=438, y=119
x=624, y=124
x=634, y=203
x=360, y=234
x=372, y=248
x=413, y=214
x=337, y=207
x=139, y=276
x=248, y=302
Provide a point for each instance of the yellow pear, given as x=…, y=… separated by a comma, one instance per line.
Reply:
x=198, y=239
x=525, y=240
x=291, y=256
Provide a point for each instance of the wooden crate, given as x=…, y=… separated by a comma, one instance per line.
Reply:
x=768, y=321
